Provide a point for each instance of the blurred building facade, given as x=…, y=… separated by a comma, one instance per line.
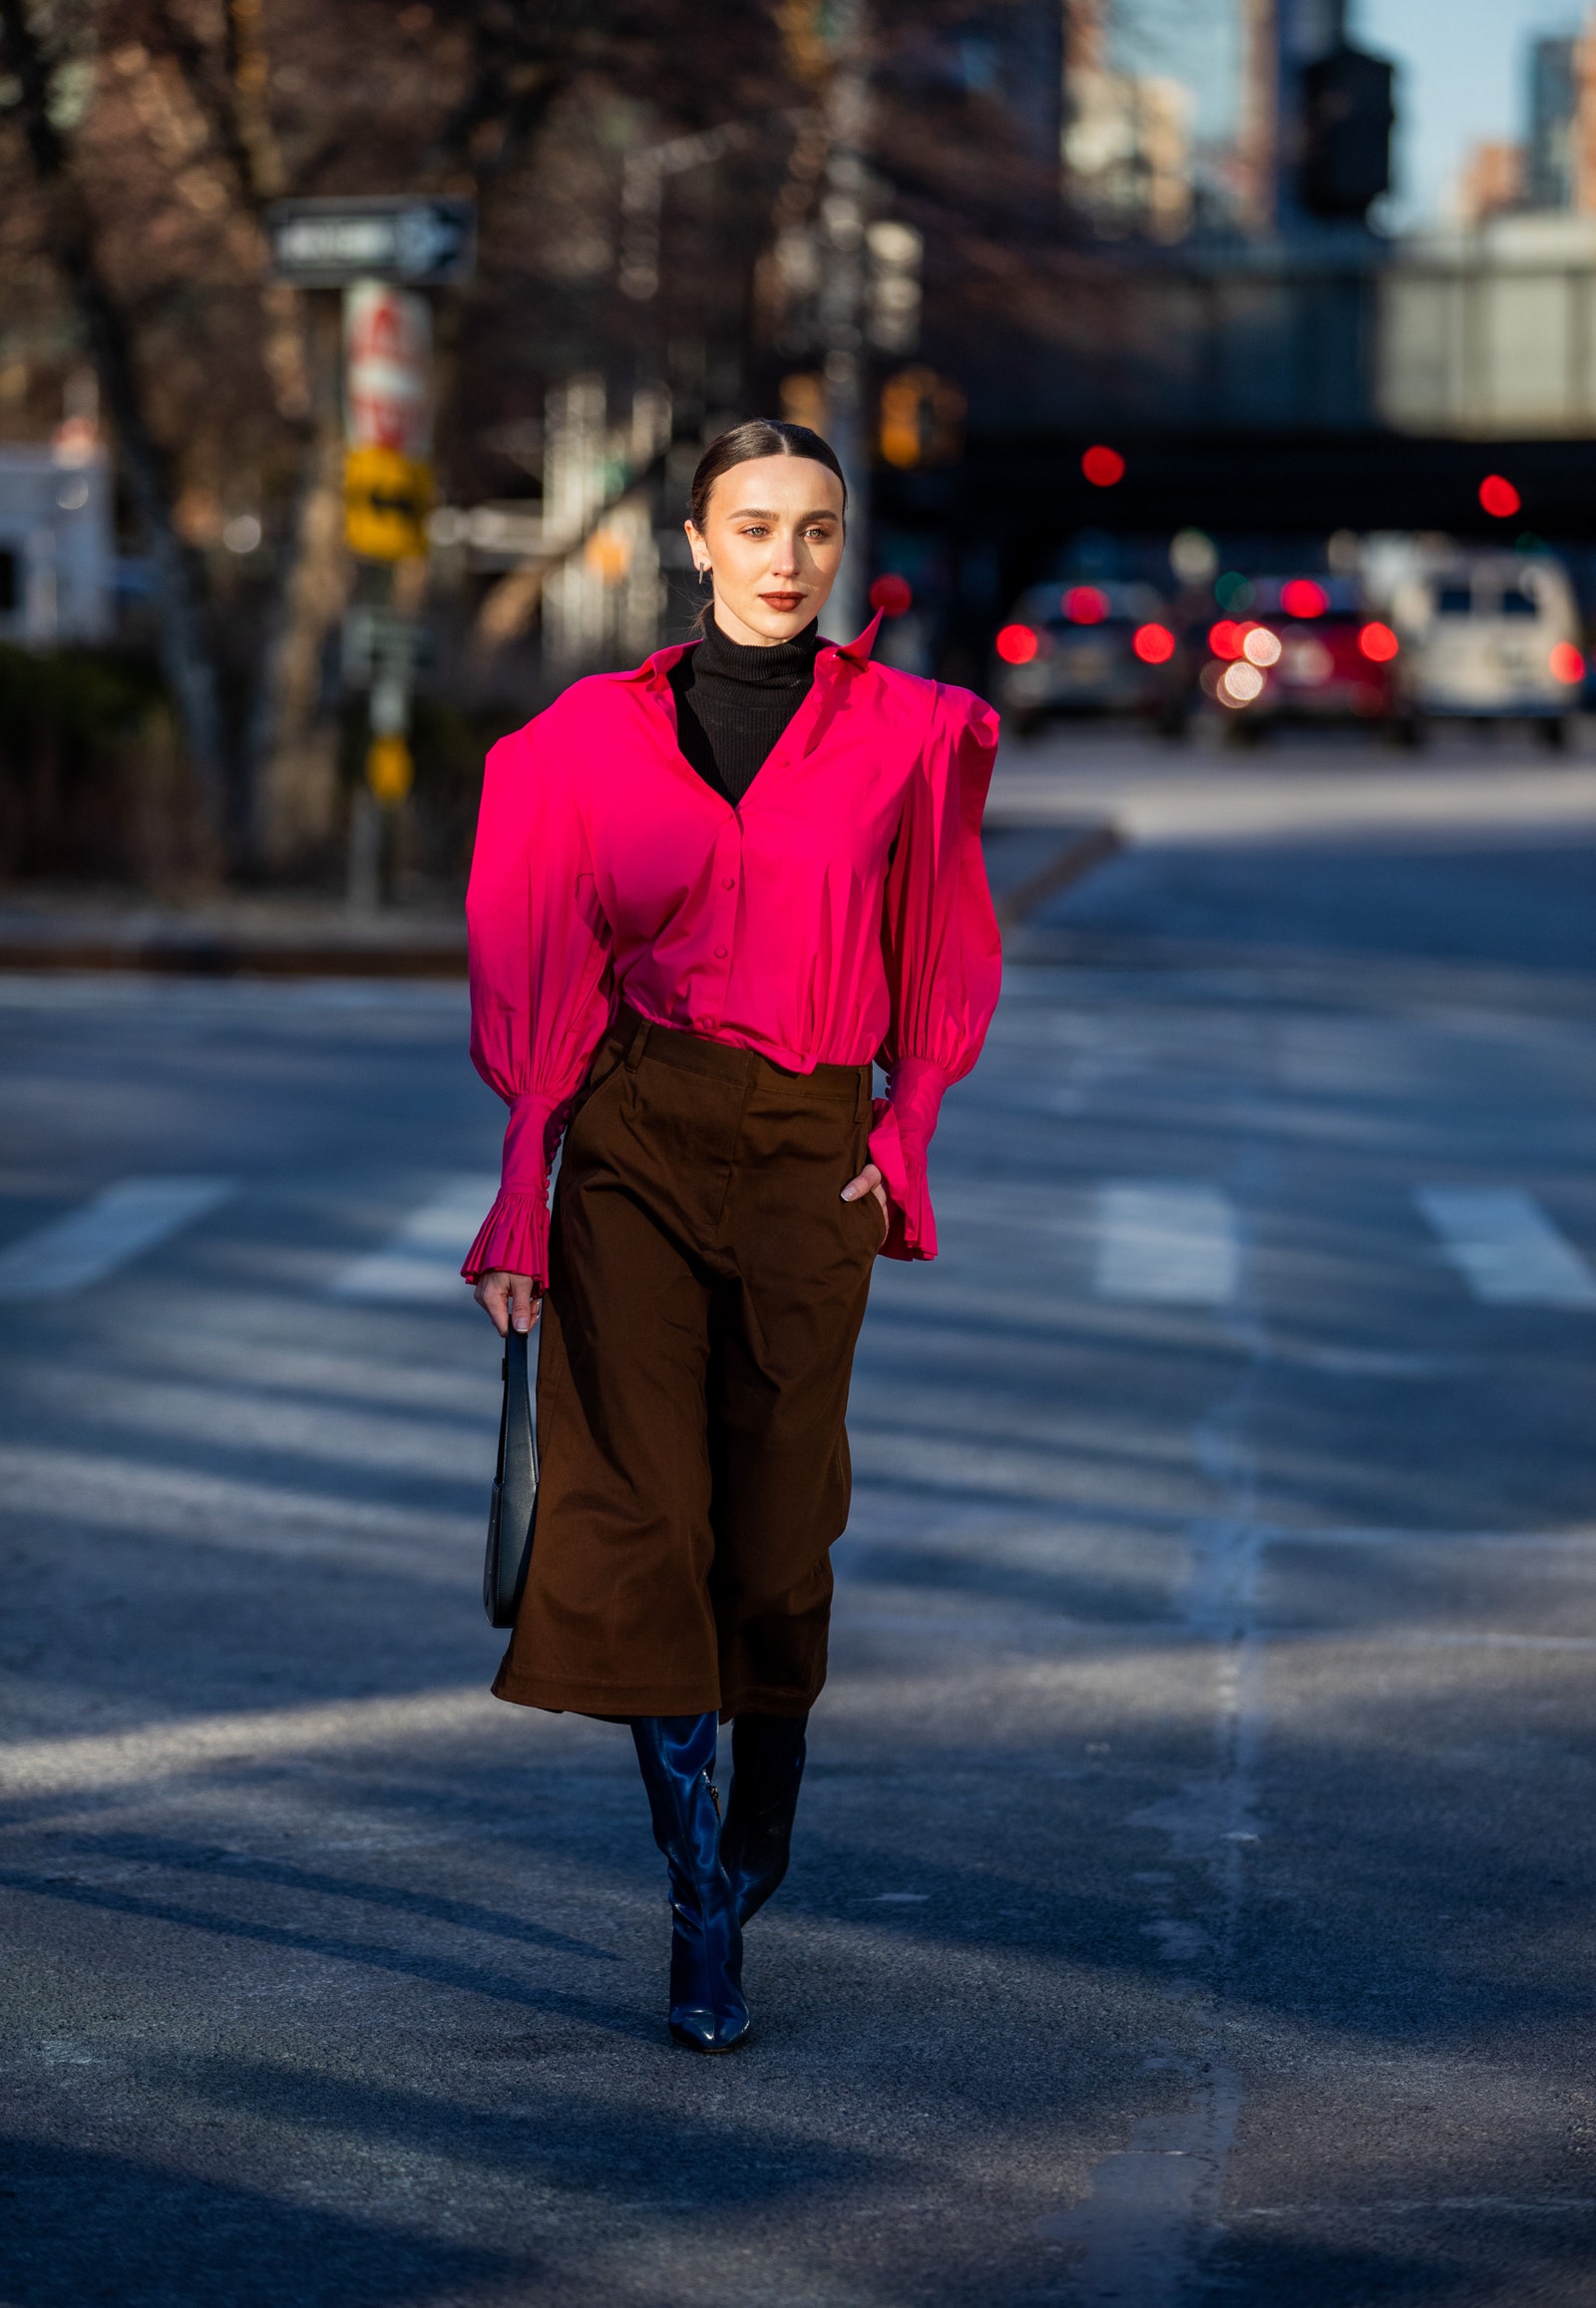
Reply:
x=1551, y=143
x=974, y=242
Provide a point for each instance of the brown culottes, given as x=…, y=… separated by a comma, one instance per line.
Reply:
x=706, y=1291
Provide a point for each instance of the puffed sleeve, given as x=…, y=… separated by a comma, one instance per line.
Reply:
x=539, y=978
x=943, y=954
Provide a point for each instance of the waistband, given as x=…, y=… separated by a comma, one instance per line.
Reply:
x=694, y=1053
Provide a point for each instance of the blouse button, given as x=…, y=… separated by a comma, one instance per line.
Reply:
x=720, y=954
x=730, y=883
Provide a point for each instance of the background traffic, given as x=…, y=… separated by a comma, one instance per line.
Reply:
x=1392, y=634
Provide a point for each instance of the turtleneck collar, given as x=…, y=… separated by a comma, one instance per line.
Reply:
x=773, y=666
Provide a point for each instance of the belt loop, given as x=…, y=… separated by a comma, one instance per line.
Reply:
x=639, y=1042
x=864, y=1103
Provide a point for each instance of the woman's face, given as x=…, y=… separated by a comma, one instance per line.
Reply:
x=773, y=539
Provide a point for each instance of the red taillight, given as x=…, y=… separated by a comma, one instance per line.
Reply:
x=1017, y=645
x=1153, y=644
x=1377, y=643
x=1086, y=605
x=1498, y=497
x=1225, y=639
x=1567, y=664
x=891, y=595
x=1301, y=597
x=1104, y=467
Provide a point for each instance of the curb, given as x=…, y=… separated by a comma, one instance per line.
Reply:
x=1090, y=847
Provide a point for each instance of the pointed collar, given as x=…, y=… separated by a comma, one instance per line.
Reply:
x=858, y=651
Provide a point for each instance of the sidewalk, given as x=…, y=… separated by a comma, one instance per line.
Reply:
x=1294, y=789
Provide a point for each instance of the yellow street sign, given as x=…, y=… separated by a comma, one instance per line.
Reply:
x=386, y=499
x=390, y=772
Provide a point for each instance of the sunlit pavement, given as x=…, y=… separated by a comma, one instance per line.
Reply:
x=1194, y=1886
x=1466, y=782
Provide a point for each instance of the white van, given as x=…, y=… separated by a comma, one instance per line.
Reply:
x=1490, y=637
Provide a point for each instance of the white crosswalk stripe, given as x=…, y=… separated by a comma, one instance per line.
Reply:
x=420, y=1261
x=90, y=1243
x=1171, y=1242
x=1505, y=1247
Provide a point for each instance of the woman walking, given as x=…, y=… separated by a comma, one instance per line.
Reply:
x=705, y=896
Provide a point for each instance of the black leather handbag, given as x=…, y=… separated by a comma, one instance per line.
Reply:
x=515, y=1492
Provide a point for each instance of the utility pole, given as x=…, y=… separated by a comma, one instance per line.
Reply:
x=843, y=290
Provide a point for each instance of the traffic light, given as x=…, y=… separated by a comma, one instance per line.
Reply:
x=1347, y=123
x=386, y=497
x=921, y=420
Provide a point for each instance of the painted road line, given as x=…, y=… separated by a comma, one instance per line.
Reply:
x=420, y=1263
x=120, y=1224
x=1506, y=1247
x=1171, y=1242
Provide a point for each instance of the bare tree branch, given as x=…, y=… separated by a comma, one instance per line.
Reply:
x=186, y=657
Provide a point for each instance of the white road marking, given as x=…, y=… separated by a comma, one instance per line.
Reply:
x=420, y=1262
x=1171, y=1242
x=117, y=1225
x=1506, y=1247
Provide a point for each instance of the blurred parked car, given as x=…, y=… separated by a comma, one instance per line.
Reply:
x=1492, y=636
x=1091, y=648
x=1306, y=649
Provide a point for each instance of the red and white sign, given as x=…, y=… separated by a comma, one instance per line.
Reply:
x=387, y=368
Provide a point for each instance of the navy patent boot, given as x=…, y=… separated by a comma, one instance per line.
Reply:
x=767, y=1763
x=676, y=1754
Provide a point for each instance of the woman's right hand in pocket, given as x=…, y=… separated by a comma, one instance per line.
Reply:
x=508, y=1299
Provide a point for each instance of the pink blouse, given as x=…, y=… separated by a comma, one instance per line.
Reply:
x=839, y=914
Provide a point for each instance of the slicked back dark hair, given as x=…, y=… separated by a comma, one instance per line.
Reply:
x=759, y=437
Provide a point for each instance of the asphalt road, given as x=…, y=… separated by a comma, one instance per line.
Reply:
x=1193, y=1894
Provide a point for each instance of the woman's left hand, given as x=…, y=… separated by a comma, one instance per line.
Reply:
x=869, y=1182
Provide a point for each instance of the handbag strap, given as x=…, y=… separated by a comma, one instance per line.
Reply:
x=518, y=1448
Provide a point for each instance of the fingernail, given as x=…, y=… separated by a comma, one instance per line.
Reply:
x=847, y=1194
x=522, y=1322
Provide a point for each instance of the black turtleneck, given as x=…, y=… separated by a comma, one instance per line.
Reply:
x=732, y=703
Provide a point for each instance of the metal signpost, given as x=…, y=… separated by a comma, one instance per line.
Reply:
x=379, y=252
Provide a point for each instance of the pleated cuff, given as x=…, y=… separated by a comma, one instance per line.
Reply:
x=514, y=1236
x=911, y=1222
x=512, y=1239
x=899, y=1144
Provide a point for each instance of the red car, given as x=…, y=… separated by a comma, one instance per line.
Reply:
x=1301, y=649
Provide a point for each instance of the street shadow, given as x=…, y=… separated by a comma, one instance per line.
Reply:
x=464, y=1914
x=1509, y=2251
x=563, y=2140
x=86, y=2227
x=1082, y=1597
x=1525, y=907
x=614, y=2017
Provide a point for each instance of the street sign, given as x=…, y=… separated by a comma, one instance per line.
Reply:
x=376, y=639
x=386, y=499
x=328, y=244
x=387, y=368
